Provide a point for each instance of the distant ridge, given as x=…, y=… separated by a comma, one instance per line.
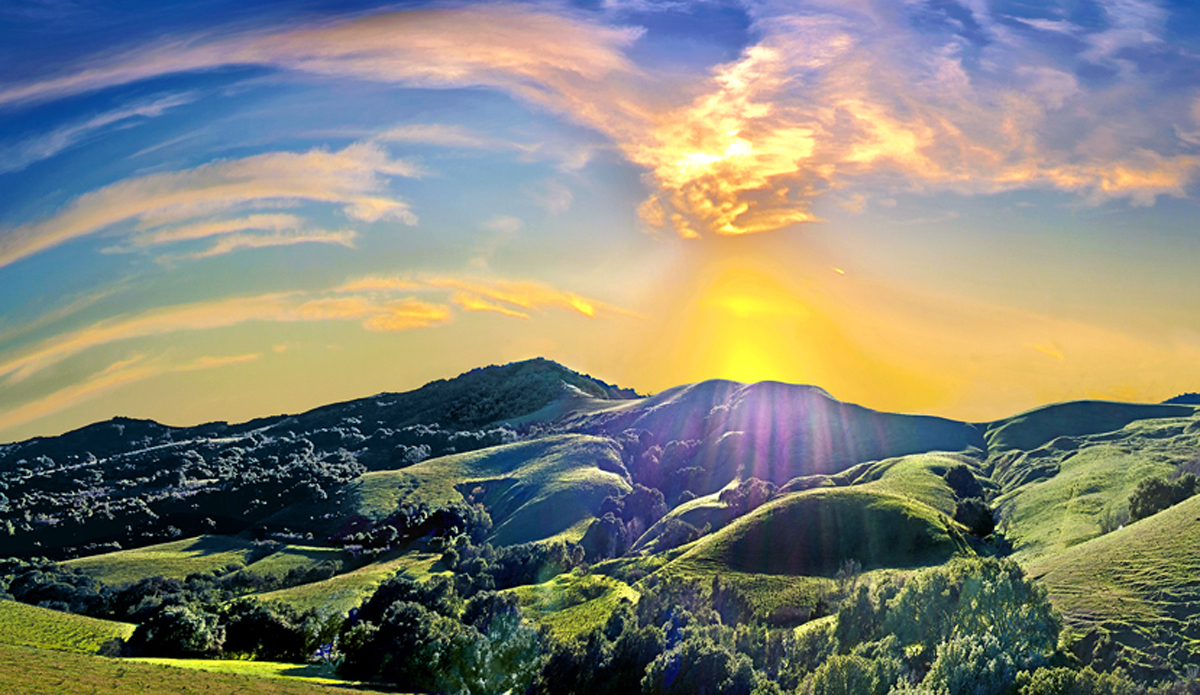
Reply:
x=473, y=399
x=1184, y=399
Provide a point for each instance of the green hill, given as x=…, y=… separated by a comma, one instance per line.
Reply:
x=205, y=554
x=813, y=533
x=1036, y=427
x=1140, y=584
x=534, y=490
x=31, y=626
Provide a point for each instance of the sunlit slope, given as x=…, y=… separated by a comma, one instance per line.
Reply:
x=340, y=593
x=1032, y=429
x=1141, y=583
x=918, y=477
x=212, y=555
x=1057, y=494
x=39, y=672
x=814, y=532
x=31, y=626
x=205, y=554
x=533, y=490
x=774, y=431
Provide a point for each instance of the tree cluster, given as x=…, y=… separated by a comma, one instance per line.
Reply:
x=1153, y=495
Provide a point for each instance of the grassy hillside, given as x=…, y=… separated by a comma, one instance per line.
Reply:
x=1047, y=516
x=812, y=533
x=37, y=672
x=1033, y=428
x=534, y=490
x=345, y=591
x=1140, y=583
x=205, y=554
x=31, y=626
x=570, y=604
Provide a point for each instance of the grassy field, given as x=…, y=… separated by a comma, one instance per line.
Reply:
x=31, y=626
x=38, y=672
x=1047, y=516
x=205, y=554
x=917, y=477
x=1141, y=583
x=294, y=557
x=569, y=604
x=1034, y=428
x=345, y=591
x=309, y=673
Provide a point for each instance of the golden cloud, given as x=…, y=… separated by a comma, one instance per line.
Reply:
x=349, y=177
x=370, y=301
x=831, y=94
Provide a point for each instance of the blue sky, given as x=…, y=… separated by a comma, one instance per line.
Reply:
x=220, y=210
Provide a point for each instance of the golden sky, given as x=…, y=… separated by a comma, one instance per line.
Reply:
x=966, y=209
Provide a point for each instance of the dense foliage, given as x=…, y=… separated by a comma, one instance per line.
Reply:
x=1156, y=494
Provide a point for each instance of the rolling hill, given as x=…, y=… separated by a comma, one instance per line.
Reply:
x=776, y=490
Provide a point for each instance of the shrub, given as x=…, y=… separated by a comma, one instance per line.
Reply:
x=1153, y=495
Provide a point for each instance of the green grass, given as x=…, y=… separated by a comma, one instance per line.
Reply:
x=918, y=477
x=31, y=626
x=38, y=672
x=292, y=557
x=204, y=554
x=311, y=673
x=1140, y=583
x=1033, y=428
x=569, y=604
x=1047, y=516
x=345, y=591
x=536, y=490
x=812, y=533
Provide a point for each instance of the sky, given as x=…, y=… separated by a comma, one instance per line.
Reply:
x=219, y=210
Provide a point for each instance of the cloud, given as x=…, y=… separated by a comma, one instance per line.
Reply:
x=540, y=55
x=829, y=94
x=236, y=242
x=550, y=195
x=209, y=228
x=18, y=155
x=440, y=134
x=114, y=376
x=516, y=295
x=471, y=302
x=1057, y=26
x=379, y=304
x=351, y=177
x=504, y=224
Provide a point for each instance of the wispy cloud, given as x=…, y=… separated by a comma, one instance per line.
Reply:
x=236, y=242
x=351, y=178
x=379, y=304
x=16, y=156
x=116, y=375
x=512, y=46
x=830, y=93
x=511, y=297
x=210, y=228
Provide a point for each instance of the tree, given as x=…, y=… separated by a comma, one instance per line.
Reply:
x=178, y=631
x=698, y=666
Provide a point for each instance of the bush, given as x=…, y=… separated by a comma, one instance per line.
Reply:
x=972, y=664
x=178, y=631
x=1153, y=495
x=1065, y=681
x=699, y=667
x=846, y=674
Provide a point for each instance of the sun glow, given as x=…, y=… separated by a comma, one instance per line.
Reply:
x=745, y=313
